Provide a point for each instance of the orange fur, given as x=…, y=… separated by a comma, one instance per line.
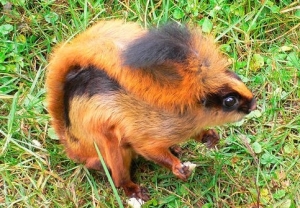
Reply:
x=144, y=117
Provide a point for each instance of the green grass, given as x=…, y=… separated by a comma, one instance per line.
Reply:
x=257, y=161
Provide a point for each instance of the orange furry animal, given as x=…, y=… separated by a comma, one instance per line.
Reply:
x=135, y=91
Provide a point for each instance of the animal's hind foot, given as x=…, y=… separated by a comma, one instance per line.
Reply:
x=133, y=190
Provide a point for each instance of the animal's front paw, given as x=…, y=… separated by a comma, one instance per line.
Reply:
x=176, y=150
x=183, y=171
x=210, y=137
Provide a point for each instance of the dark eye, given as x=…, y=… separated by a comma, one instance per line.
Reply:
x=230, y=101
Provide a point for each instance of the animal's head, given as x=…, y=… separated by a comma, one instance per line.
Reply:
x=182, y=69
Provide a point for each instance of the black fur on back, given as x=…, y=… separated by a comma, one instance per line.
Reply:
x=169, y=42
x=88, y=81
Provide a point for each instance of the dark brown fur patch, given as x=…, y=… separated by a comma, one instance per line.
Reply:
x=215, y=100
x=88, y=81
x=169, y=42
x=72, y=138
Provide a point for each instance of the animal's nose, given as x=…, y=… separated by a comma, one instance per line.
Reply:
x=252, y=105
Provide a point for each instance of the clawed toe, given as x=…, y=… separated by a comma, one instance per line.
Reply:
x=182, y=172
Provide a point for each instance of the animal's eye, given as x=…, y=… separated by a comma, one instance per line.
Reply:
x=230, y=101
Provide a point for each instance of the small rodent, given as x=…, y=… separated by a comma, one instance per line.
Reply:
x=134, y=91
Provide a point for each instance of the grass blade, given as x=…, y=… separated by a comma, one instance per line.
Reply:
x=109, y=177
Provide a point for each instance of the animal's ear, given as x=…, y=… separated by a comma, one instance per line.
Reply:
x=167, y=43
